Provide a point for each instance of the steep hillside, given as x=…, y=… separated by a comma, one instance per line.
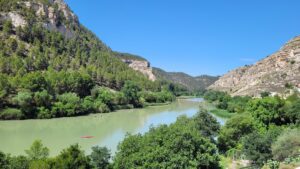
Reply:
x=277, y=73
x=190, y=82
x=52, y=66
x=40, y=34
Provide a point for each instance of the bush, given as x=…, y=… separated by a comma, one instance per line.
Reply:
x=179, y=145
x=19, y=162
x=88, y=105
x=100, y=157
x=234, y=129
x=267, y=110
x=24, y=101
x=131, y=90
x=44, y=113
x=103, y=95
x=37, y=151
x=42, y=98
x=72, y=157
x=287, y=145
x=157, y=97
x=4, y=163
x=101, y=107
x=11, y=114
x=68, y=104
x=257, y=146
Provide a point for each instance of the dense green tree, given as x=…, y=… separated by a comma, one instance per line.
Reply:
x=19, y=162
x=100, y=157
x=4, y=89
x=292, y=109
x=4, y=163
x=68, y=104
x=42, y=98
x=11, y=113
x=179, y=145
x=24, y=100
x=207, y=124
x=39, y=164
x=37, y=151
x=130, y=91
x=257, y=146
x=267, y=110
x=34, y=81
x=72, y=158
x=234, y=129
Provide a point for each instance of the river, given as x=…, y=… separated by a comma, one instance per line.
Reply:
x=105, y=129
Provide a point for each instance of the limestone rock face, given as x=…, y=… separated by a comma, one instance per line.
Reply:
x=16, y=19
x=47, y=15
x=141, y=66
x=271, y=74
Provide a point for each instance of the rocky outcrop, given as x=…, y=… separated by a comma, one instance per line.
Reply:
x=51, y=17
x=141, y=66
x=16, y=19
x=276, y=73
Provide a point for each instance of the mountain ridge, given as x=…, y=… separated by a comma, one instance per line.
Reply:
x=192, y=83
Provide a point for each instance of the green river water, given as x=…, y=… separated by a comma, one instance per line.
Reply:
x=107, y=129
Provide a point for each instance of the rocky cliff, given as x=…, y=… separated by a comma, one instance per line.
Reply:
x=277, y=73
x=54, y=15
x=137, y=63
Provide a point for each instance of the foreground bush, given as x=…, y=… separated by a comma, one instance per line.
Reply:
x=179, y=145
x=287, y=145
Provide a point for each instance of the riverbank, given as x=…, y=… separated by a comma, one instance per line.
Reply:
x=186, y=97
x=218, y=112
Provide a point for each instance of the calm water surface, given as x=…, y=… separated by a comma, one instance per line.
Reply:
x=107, y=129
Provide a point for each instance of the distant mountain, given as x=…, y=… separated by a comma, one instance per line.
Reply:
x=190, y=82
x=278, y=73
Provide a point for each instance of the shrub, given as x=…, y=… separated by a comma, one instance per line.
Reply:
x=234, y=129
x=287, y=144
x=101, y=107
x=11, y=113
x=43, y=113
x=100, y=157
x=68, y=104
x=176, y=146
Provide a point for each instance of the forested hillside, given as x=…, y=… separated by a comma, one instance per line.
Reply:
x=52, y=66
x=198, y=83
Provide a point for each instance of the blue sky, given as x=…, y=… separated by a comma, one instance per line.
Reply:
x=192, y=36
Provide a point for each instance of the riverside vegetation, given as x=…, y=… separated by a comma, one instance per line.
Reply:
x=264, y=131
x=188, y=143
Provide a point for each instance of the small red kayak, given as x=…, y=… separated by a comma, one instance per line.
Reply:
x=87, y=137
